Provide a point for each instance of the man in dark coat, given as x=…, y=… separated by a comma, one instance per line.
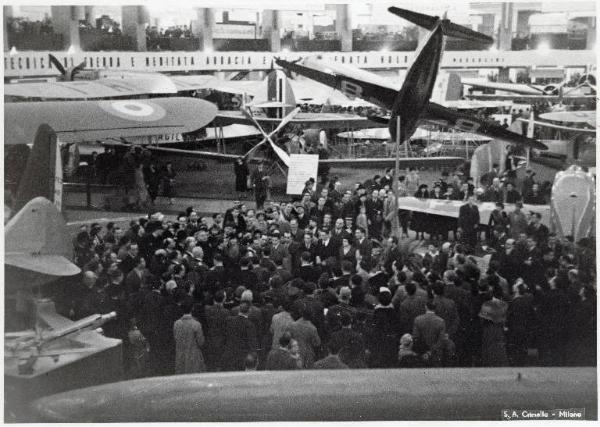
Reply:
x=260, y=182
x=350, y=343
x=520, y=318
x=411, y=307
x=428, y=332
x=280, y=359
x=468, y=221
x=240, y=339
x=216, y=323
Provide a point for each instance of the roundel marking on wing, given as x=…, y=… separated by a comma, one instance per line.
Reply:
x=134, y=110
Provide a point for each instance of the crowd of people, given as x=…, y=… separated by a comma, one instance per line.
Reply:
x=322, y=282
x=140, y=177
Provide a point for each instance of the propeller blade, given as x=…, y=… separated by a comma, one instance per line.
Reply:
x=246, y=112
x=54, y=61
x=287, y=119
x=541, y=91
x=251, y=152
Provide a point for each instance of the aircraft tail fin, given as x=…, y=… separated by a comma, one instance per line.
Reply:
x=447, y=87
x=54, y=61
x=280, y=90
x=42, y=170
x=450, y=29
x=37, y=240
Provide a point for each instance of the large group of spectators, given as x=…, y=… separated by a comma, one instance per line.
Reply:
x=321, y=282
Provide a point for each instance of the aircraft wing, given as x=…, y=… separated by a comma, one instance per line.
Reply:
x=463, y=104
x=311, y=92
x=333, y=396
x=465, y=122
x=559, y=127
x=238, y=87
x=77, y=121
x=530, y=98
x=349, y=86
x=521, y=89
x=90, y=89
x=588, y=117
x=37, y=240
x=321, y=120
x=450, y=208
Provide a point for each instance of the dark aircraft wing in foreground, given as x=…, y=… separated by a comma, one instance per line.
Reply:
x=336, y=395
x=469, y=123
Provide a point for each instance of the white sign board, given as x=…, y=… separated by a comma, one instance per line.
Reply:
x=302, y=168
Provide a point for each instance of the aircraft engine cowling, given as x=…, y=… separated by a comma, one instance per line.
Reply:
x=551, y=90
x=573, y=203
x=589, y=80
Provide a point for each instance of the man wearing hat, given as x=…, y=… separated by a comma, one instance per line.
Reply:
x=517, y=221
x=279, y=252
x=468, y=221
x=334, y=313
x=528, y=181
x=260, y=182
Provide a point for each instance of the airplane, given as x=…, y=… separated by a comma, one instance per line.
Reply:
x=38, y=171
x=37, y=240
x=571, y=145
x=80, y=83
x=330, y=395
x=45, y=352
x=583, y=91
x=412, y=102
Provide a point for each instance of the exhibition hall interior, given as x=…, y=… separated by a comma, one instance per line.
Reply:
x=300, y=211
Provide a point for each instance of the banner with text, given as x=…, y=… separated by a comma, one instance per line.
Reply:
x=302, y=168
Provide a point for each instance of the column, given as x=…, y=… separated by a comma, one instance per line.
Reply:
x=343, y=26
x=88, y=13
x=65, y=20
x=271, y=25
x=8, y=13
x=505, y=30
x=133, y=23
x=503, y=75
x=204, y=28
x=591, y=34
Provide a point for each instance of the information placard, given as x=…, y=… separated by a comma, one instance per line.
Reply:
x=302, y=168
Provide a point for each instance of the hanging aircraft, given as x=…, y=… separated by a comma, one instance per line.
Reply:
x=412, y=102
x=274, y=107
x=569, y=145
x=583, y=91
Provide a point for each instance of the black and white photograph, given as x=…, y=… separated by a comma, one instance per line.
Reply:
x=300, y=211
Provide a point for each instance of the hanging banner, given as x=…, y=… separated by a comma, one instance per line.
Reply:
x=302, y=167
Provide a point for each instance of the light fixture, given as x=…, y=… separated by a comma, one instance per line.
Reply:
x=71, y=50
x=13, y=51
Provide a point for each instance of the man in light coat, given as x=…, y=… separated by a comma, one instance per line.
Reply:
x=189, y=340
